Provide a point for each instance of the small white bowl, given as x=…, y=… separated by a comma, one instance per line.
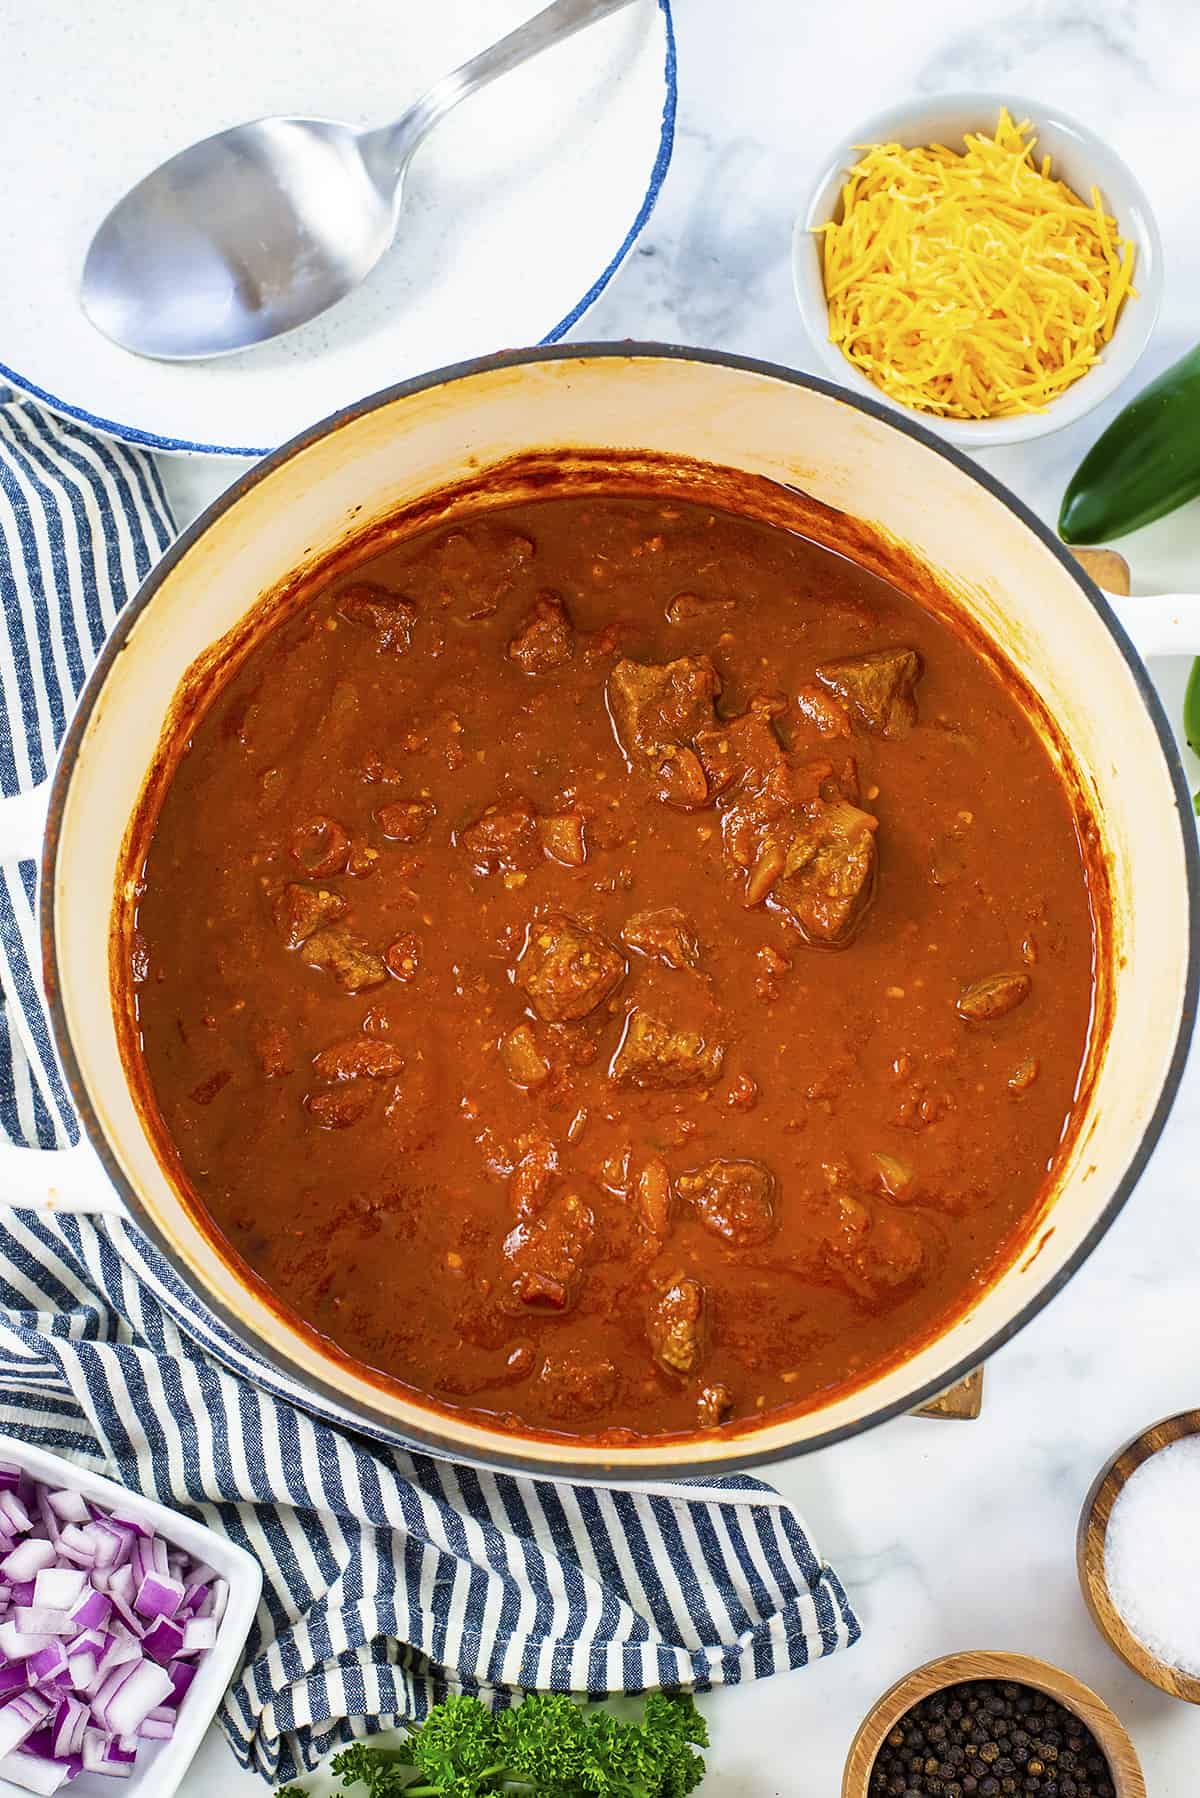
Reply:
x=1079, y=158
x=160, y=1766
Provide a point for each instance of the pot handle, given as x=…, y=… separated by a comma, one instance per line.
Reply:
x=71, y=1180
x=1160, y=624
x=47, y=1179
x=23, y=824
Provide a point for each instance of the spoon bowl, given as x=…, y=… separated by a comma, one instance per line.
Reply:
x=260, y=228
x=239, y=238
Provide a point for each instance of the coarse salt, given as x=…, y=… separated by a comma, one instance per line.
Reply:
x=1152, y=1554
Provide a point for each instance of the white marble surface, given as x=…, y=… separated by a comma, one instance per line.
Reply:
x=947, y=1535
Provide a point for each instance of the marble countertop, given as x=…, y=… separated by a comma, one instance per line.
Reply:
x=947, y=1535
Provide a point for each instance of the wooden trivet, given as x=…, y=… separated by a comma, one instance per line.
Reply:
x=961, y=1403
x=1106, y=567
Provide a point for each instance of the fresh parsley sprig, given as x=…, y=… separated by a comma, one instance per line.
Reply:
x=547, y=1747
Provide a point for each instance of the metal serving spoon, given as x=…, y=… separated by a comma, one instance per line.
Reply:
x=258, y=229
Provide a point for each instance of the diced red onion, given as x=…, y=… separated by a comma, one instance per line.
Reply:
x=91, y=1609
x=26, y=1560
x=143, y=1687
x=69, y=1507
x=96, y=1746
x=32, y=1621
x=20, y=1717
x=12, y=1678
x=71, y=1719
x=126, y=1613
x=96, y=1612
x=199, y=1634
x=33, y=1774
x=46, y=1664
x=57, y=1588
x=120, y=1651
x=216, y=1601
x=12, y=1508
x=49, y=1522
x=158, y=1595
x=194, y=1595
x=120, y=1584
x=182, y=1674
x=16, y=1644
x=163, y=1640
x=126, y=1520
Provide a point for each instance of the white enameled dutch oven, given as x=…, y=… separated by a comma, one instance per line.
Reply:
x=1006, y=571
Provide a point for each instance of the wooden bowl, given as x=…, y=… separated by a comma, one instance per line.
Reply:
x=1089, y=1555
x=952, y=1670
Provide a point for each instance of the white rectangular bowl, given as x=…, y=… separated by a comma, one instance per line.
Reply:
x=160, y=1765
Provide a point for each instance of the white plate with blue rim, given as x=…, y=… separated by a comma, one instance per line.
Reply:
x=518, y=210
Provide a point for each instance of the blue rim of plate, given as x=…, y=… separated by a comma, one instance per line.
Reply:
x=151, y=440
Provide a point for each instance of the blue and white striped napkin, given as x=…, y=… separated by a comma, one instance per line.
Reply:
x=391, y=1578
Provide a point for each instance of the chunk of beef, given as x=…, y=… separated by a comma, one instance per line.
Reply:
x=993, y=997
x=523, y=1060
x=533, y=1175
x=273, y=1047
x=1024, y=1075
x=406, y=820
x=874, y=1250
x=479, y=563
x=675, y=1326
x=652, y=1197
x=758, y=818
x=302, y=910
x=658, y=706
x=948, y=857
x=546, y=1253
x=321, y=846
x=886, y=1258
x=733, y=1199
x=338, y=951
x=337, y=1107
x=391, y=617
x=546, y=639
x=821, y=709
x=713, y=1405
x=361, y=860
x=665, y=934
x=206, y=1091
x=567, y=970
x=827, y=878
x=653, y=1054
x=402, y=957
x=686, y=608
x=563, y=838
x=879, y=688
x=575, y=1384
x=742, y=749
x=359, y=1058
x=504, y=838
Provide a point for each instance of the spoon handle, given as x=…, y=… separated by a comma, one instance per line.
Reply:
x=391, y=146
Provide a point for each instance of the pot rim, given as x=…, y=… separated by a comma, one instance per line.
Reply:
x=435, y=1436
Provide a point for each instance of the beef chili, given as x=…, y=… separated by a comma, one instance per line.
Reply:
x=616, y=966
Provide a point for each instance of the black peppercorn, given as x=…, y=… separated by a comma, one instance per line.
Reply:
x=990, y=1739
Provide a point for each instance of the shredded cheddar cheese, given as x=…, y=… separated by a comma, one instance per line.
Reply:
x=971, y=284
